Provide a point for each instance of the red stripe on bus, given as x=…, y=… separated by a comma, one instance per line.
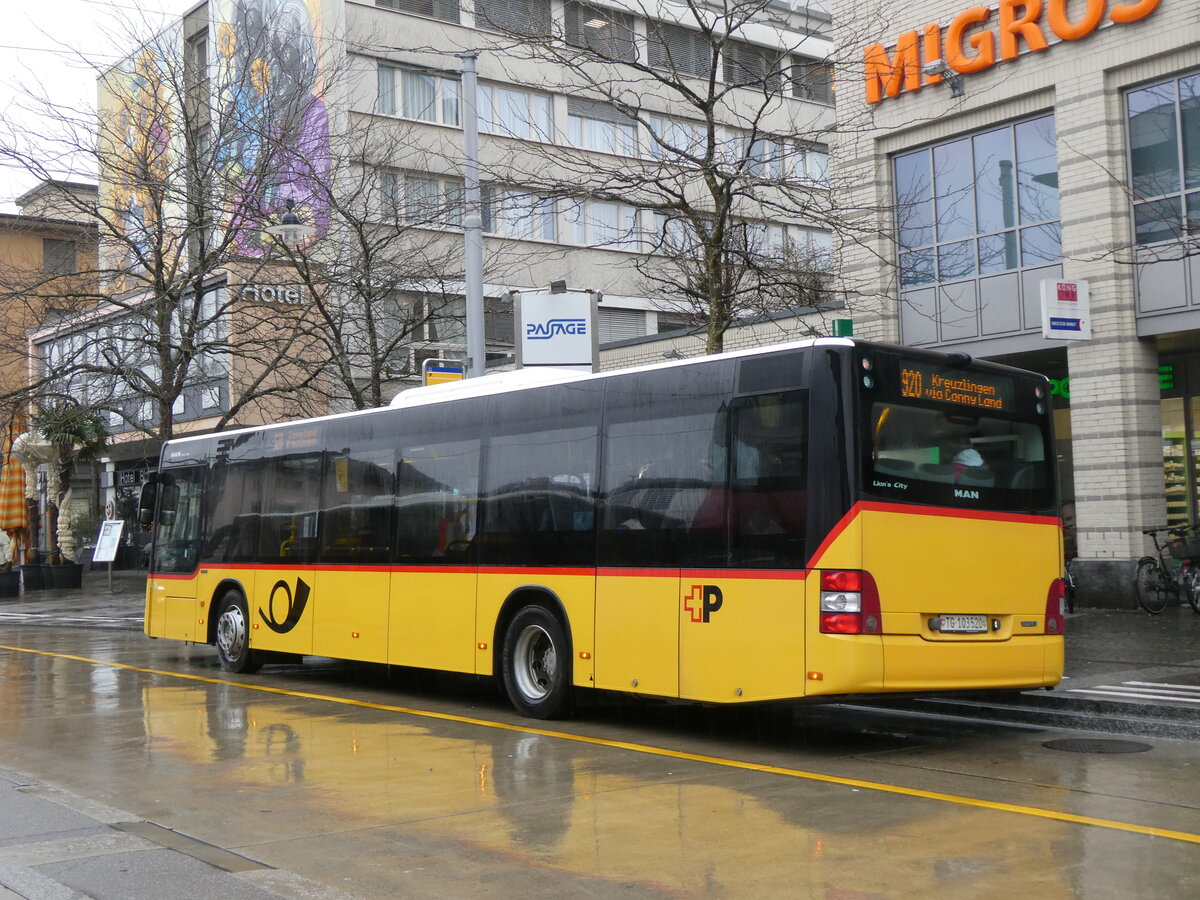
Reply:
x=608, y=572
x=946, y=512
x=939, y=511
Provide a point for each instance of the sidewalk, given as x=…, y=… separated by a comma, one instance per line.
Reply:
x=55, y=845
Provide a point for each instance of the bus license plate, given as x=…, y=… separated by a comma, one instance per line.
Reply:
x=963, y=624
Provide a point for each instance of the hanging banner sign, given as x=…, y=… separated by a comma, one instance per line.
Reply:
x=1066, y=310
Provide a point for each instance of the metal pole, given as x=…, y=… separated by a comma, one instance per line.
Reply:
x=472, y=219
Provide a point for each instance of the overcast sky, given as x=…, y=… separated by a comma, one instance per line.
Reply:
x=41, y=49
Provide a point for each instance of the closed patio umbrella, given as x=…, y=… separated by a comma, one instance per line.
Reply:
x=14, y=511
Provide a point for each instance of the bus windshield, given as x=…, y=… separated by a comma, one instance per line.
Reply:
x=968, y=437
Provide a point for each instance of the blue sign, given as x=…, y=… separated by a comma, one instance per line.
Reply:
x=1057, y=324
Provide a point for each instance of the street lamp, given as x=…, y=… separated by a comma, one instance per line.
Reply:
x=290, y=230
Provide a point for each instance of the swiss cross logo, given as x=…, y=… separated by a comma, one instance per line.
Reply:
x=1068, y=292
x=703, y=601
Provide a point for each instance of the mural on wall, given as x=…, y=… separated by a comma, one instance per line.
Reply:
x=272, y=63
x=138, y=116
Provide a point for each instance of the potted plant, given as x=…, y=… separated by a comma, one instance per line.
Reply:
x=75, y=434
x=10, y=581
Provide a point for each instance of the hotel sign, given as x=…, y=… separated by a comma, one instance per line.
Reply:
x=979, y=37
x=291, y=295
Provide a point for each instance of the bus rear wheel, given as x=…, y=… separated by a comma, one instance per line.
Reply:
x=534, y=664
x=233, y=635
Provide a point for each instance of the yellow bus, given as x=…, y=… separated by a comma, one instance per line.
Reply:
x=820, y=519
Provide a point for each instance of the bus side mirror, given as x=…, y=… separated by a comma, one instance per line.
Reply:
x=149, y=496
x=167, y=504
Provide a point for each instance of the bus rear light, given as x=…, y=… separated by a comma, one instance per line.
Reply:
x=1055, y=599
x=849, y=603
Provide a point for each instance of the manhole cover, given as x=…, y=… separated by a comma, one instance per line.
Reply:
x=1096, y=745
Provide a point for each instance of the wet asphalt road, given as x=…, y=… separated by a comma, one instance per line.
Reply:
x=332, y=780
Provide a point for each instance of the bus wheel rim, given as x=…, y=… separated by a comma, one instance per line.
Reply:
x=536, y=663
x=231, y=632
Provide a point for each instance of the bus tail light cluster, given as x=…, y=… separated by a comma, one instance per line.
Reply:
x=1055, y=599
x=849, y=602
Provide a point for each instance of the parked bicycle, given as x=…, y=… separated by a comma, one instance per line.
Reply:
x=1172, y=570
x=1069, y=584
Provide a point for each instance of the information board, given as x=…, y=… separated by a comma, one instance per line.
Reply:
x=108, y=540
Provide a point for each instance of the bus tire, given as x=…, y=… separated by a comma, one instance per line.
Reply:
x=534, y=664
x=233, y=635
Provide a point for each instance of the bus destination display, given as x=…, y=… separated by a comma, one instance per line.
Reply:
x=922, y=382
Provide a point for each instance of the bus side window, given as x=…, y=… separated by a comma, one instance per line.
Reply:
x=540, y=479
x=664, y=469
x=768, y=480
x=437, y=483
x=231, y=523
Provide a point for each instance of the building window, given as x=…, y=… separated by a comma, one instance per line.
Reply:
x=446, y=10
x=764, y=156
x=1164, y=159
x=678, y=50
x=58, y=257
x=413, y=94
x=619, y=324
x=810, y=164
x=754, y=67
x=978, y=205
x=812, y=80
x=675, y=139
x=514, y=113
x=602, y=223
x=422, y=199
x=592, y=125
x=530, y=17
x=606, y=33
x=513, y=213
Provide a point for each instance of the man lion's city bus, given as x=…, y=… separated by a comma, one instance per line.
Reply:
x=819, y=519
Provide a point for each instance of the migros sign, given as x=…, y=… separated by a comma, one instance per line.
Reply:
x=971, y=41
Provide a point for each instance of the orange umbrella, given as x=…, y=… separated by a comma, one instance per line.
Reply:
x=14, y=512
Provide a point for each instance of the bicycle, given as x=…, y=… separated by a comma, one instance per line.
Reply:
x=1158, y=577
x=1069, y=585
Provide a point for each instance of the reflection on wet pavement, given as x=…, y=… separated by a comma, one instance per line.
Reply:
x=379, y=803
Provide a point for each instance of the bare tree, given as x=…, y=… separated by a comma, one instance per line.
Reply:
x=707, y=161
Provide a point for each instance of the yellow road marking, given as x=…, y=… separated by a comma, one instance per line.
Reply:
x=957, y=799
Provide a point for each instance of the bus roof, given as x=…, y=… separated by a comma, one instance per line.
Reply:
x=521, y=379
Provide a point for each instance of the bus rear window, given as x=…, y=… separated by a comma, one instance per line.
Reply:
x=952, y=457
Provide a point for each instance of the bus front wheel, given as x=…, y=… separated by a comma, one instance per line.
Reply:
x=233, y=635
x=534, y=664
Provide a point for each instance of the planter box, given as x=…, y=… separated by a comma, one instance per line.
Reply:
x=31, y=575
x=68, y=576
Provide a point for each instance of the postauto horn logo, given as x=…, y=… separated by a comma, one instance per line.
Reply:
x=543, y=331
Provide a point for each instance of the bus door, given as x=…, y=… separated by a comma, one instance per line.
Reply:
x=171, y=610
x=433, y=588
x=742, y=626
x=357, y=533
x=286, y=594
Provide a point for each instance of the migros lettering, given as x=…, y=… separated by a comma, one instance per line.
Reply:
x=971, y=43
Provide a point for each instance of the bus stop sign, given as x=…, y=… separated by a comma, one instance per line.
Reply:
x=439, y=371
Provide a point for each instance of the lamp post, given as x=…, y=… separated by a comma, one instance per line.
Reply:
x=472, y=220
x=290, y=230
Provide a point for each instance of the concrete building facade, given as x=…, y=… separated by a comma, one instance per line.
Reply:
x=990, y=149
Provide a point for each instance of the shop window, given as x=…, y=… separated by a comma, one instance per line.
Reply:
x=1164, y=159
x=974, y=215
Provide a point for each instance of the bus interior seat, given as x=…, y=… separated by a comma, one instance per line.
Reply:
x=892, y=466
x=941, y=472
x=1024, y=478
x=976, y=478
